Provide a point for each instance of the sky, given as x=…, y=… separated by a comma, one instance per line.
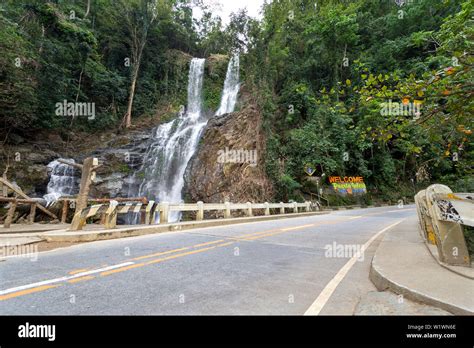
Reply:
x=225, y=7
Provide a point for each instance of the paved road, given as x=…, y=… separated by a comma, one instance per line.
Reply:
x=270, y=267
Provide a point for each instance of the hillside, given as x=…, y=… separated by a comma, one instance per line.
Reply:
x=362, y=88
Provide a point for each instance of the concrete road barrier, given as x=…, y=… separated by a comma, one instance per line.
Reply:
x=442, y=215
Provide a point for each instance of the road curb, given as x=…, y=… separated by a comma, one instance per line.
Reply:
x=90, y=236
x=386, y=276
x=383, y=283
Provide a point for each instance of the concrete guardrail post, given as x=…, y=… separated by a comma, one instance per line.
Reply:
x=111, y=215
x=424, y=217
x=282, y=208
x=164, y=212
x=148, y=212
x=200, y=212
x=449, y=235
x=295, y=207
x=308, y=206
x=227, y=214
x=249, y=209
x=267, y=208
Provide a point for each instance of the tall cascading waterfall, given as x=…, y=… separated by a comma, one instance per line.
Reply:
x=173, y=145
x=175, y=142
x=62, y=182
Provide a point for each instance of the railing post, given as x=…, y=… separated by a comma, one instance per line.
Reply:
x=77, y=222
x=10, y=214
x=308, y=206
x=295, y=207
x=227, y=214
x=111, y=215
x=200, y=212
x=249, y=209
x=149, y=212
x=267, y=208
x=164, y=212
x=64, y=211
x=282, y=208
x=31, y=217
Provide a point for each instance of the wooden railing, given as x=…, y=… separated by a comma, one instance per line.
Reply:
x=150, y=211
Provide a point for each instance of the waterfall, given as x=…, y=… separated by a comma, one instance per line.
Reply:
x=173, y=145
x=175, y=142
x=231, y=87
x=62, y=181
x=161, y=175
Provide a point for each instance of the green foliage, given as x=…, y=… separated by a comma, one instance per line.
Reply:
x=323, y=75
x=216, y=68
x=64, y=55
x=331, y=67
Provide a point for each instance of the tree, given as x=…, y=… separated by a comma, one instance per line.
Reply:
x=139, y=16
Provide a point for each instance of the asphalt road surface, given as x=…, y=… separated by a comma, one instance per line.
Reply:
x=304, y=265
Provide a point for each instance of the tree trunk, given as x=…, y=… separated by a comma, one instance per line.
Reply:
x=86, y=180
x=127, y=121
x=88, y=8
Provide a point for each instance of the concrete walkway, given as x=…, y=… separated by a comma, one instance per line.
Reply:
x=403, y=264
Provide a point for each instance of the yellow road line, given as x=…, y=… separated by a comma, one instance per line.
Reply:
x=257, y=233
x=179, y=255
x=208, y=243
x=224, y=244
x=292, y=229
x=79, y=271
x=240, y=237
x=80, y=279
x=176, y=250
x=296, y=228
x=160, y=253
x=252, y=236
x=126, y=268
x=26, y=292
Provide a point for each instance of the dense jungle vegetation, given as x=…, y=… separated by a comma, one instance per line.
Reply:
x=333, y=79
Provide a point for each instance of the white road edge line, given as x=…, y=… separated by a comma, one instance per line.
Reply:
x=401, y=209
x=327, y=292
x=61, y=279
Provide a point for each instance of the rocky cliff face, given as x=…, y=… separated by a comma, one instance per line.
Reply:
x=229, y=163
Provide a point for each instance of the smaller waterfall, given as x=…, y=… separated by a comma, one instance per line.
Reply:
x=231, y=87
x=62, y=181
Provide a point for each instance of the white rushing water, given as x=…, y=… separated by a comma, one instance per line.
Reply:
x=175, y=142
x=231, y=87
x=62, y=181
